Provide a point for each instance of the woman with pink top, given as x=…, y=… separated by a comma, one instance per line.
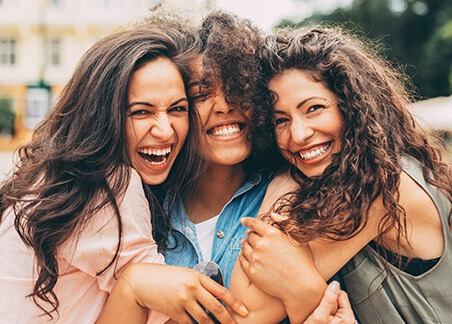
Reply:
x=74, y=214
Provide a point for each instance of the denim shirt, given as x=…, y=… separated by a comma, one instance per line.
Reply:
x=228, y=231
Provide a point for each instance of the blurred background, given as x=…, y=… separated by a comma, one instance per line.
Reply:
x=42, y=40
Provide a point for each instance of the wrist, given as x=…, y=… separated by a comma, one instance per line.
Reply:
x=127, y=288
x=304, y=297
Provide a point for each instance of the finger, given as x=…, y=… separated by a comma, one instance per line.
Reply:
x=260, y=227
x=244, y=264
x=277, y=217
x=197, y=313
x=215, y=309
x=345, y=308
x=252, y=238
x=328, y=303
x=343, y=300
x=224, y=295
x=247, y=250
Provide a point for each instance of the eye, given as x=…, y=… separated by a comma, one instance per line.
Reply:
x=315, y=108
x=200, y=97
x=178, y=109
x=138, y=112
x=279, y=120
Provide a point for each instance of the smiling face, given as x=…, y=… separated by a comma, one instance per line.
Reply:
x=157, y=122
x=224, y=128
x=308, y=121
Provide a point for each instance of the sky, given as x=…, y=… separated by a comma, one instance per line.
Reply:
x=267, y=13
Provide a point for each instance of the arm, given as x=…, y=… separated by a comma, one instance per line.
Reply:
x=268, y=251
x=329, y=256
x=174, y=291
x=263, y=307
x=298, y=285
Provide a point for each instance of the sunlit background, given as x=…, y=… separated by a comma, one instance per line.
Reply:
x=42, y=40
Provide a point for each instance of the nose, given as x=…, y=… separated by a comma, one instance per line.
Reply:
x=221, y=106
x=301, y=131
x=162, y=128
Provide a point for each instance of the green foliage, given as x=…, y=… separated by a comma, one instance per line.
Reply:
x=7, y=115
x=417, y=33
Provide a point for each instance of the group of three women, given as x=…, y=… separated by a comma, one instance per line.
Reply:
x=222, y=124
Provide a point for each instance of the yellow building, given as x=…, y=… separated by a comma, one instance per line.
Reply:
x=41, y=42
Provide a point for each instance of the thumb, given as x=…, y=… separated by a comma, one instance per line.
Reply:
x=330, y=297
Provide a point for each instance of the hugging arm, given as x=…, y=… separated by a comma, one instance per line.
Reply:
x=268, y=294
x=173, y=291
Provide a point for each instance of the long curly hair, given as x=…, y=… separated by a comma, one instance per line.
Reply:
x=77, y=160
x=378, y=132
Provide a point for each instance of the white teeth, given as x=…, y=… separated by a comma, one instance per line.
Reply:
x=158, y=152
x=315, y=153
x=226, y=130
x=163, y=161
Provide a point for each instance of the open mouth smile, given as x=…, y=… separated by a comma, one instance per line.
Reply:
x=315, y=152
x=155, y=156
x=226, y=130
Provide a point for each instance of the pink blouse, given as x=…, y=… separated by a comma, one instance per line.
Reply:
x=80, y=291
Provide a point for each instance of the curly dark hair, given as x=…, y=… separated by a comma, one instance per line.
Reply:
x=378, y=132
x=230, y=55
x=77, y=160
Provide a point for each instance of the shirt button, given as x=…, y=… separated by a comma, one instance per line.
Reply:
x=220, y=234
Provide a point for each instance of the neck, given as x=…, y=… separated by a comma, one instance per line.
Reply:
x=216, y=187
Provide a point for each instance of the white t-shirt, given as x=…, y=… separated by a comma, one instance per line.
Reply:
x=205, y=232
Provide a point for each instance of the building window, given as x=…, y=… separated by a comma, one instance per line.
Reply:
x=8, y=51
x=53, y=52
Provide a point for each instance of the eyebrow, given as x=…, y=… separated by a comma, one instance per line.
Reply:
x=301, y=103
x=195, y=83
x=144, y=103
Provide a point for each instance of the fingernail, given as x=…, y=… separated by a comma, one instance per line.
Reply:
x=244, y=310
x=335, y=286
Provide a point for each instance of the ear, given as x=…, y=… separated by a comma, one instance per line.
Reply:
x=278, y=218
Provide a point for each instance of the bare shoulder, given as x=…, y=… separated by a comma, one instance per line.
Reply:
x=416, y=202
x=422, y=220
x=281, y=184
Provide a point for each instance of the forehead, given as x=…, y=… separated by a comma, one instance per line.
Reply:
x=202, y=75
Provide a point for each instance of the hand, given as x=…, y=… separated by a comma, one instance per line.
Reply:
x=179, y=292
x=268, y=251
x=281, y=268
x=324, y=313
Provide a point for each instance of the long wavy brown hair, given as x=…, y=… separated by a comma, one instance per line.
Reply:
x=378, y=132
x=77, y=160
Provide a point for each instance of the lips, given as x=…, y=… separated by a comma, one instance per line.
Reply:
x=155, y=156
x=315, y=152
x=226, y=130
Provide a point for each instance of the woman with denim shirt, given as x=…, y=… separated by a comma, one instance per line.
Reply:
x=205, y=223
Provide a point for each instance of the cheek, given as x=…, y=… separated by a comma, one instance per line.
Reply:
x=181, y=129
x=131, y=134
x=282, y=138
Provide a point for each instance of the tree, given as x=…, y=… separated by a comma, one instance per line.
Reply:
x=418, y=34
x=7, y=116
